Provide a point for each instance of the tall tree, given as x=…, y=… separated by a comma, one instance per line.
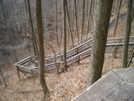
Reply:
x=69, y=25
x=64, y=31
x=82, y=27
x=56, y=26
x=76, y=20
x=41, y=47
x=118, y=12
x=89, y=15
x=32, y=28
x=103, y=12
x=133, y=11
x=127, y=34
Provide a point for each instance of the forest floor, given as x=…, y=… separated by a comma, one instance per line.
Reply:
x=62, y=87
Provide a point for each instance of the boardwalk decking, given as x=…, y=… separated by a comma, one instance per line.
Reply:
x=116, y=85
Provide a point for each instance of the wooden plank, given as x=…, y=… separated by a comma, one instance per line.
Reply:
x=118, y=38
x=79, y=45
x=78, y=54
x=27, y=68
x=118, y=49
x=116, y=85
x=21, y=61
x=114, y=44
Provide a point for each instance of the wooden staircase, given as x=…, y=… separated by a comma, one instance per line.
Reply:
x=74, y=54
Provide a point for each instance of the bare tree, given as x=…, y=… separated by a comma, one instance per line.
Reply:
x=127, y=34
x=69, y=25
x=64, y=32
x=89, y=15
x=103, y=12
x=133, y=11
x=32, y=28
x=76, y=20
x=116, y=21
x=83, y=15
x=56, y=26
x=41, y=48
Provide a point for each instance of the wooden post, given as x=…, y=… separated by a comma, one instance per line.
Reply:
x=115, y=52
x=3, y=78
x=62, y=58
x=78, y=56
x=18, y=72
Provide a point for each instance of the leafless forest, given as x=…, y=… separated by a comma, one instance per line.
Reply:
x=18, y=28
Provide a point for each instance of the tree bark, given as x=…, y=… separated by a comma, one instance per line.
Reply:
x=89, y=14
x=69, y=25
x=82, y=27
x=56, y=27
x=41, y=48
x=32, y=28
x=118, y=12
x=103, y=12
x=76, y=21
x=64, y=32
x=133, y=11
x=127, y=34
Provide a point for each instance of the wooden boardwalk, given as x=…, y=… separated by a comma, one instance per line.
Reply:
x=30, y=64
x=116, y=85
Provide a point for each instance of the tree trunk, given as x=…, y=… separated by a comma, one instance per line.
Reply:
x=64, y=32
x=103, y=12
x=76, y=21
x=41, y=47
x=89, y=14
x=32, y=28
x=69, y=25
x=56, y=27
x=116, y=22
x=133, y=11
x=82, y=27
x=127, y=34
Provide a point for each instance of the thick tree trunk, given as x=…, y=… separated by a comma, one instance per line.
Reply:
x=41, y=47
x=127, y=34
x=103, y=13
